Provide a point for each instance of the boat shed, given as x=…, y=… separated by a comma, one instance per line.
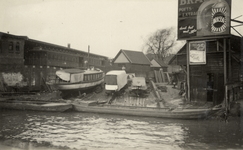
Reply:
x=221, y=67
x=29, y=63
x=132, y=62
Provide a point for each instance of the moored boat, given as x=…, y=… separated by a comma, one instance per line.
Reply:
x=178, y=113
x=78, y=79
x=35, y=105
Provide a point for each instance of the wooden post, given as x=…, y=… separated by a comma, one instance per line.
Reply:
x=225, y=63
x=226, y=98
x=229, y=71
x=188, y=73
x=225, y=76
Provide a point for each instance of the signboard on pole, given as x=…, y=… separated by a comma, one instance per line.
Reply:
x=197, y=52
x=203, y=18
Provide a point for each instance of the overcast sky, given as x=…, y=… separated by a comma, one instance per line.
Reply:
x=106, y=25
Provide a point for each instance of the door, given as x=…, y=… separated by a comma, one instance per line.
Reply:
x=210, y=87
x=198, y=84
x=218, y=96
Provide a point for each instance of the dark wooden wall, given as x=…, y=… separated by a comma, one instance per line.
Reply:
x=33, y=61
x=213, y=69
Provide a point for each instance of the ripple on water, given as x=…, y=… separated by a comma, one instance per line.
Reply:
x=93, y=131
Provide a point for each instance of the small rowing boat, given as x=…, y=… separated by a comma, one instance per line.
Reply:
x=35, y=105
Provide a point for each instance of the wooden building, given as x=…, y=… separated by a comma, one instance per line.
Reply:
x=157, y=64
x=207, y=81
x=132, y=62
x=25, y=61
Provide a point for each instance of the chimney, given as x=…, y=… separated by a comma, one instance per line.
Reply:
x=68, y=45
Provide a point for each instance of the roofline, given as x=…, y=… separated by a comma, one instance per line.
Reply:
x=55, y=45
x=33, y=40
x=159, y=62
x=12, y=35
x=123, y=51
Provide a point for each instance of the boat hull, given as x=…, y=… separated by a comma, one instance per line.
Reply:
x=52, y=107
x=78, y=86
x=145, y=111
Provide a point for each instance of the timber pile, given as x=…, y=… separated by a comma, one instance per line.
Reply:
x=167, y=96
x=161, y=77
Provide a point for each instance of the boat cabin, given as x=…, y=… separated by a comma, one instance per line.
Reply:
x=78, y=75
x=115, y=80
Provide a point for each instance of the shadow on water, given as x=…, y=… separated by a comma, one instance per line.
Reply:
x=36, y=130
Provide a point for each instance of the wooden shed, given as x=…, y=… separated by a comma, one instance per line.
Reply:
x=132, y=62
x=222, y=66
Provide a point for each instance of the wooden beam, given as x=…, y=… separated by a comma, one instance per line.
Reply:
x=225, y=77
x=236, y=21
x=230, y=86
x=217, y=46
x=206, y=38
x=188, y=73
x=229, y=69
x=225, y=63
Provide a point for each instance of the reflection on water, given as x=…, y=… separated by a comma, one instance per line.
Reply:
x=71, y=130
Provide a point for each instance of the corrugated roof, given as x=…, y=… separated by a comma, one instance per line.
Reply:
x=136, y=57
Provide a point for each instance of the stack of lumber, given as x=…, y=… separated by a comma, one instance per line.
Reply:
x=161, y=76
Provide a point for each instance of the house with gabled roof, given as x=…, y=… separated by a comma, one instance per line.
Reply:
x=132, y=62
x=157, y=64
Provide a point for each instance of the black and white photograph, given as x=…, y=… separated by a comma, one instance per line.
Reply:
x=121, y=74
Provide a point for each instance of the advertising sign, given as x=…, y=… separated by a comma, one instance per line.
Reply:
x=203, y=18
x=197, y=52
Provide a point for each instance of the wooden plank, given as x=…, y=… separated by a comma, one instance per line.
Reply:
x=229, y=65
x=188, y=73
x=156, y=77
x=159, y=77
x=47, y=87
x=162, y=75
x=234, y=85
x=168, y=76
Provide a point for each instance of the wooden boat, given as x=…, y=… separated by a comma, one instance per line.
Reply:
x=35, y=105
x=78, y=79
x=179, y=113
x=138, y=86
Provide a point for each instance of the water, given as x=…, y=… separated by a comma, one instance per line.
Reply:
x=73, y=130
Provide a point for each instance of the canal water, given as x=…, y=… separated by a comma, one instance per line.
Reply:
x=87, y=131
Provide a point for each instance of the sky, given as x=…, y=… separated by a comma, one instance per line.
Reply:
x=106, y=25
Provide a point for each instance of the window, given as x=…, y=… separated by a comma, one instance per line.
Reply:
x=17, y=48
x=111, y=79
x=10, y=47
x=85, y=78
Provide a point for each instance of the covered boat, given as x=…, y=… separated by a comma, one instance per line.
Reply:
x=78, y=79
x=115, y=80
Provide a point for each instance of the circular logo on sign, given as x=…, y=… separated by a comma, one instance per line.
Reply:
x=218, y=20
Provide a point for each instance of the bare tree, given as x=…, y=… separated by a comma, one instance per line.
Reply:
x=161, y=42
